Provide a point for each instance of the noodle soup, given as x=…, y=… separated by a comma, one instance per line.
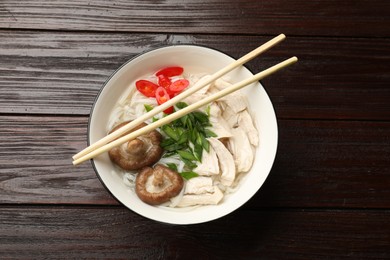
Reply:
x=197, y=62
x=230, y=150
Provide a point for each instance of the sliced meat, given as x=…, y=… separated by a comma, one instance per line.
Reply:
x=202, y=199
x=246, y=123
x=241, y=149
x=226, y=162
x=199, y=185
x=209, y=164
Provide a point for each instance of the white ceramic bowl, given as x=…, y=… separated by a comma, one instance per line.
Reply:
x=194, y=59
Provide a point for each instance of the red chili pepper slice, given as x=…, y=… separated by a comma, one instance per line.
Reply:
x=178, y=85
x=170, y=71
x=146, y=87
x=162, y=97
x=164, y=81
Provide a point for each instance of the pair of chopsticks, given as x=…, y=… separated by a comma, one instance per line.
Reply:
x=108, y=142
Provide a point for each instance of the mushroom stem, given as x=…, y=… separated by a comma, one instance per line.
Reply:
x=135, y=146
x=158, y=179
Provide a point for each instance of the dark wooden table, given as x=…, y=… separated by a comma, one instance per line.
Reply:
x=328, y=194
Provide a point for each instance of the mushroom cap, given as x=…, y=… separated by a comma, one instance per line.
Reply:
x=157, y=185
x=135, y=154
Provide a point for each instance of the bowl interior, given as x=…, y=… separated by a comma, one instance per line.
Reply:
x=194, y=59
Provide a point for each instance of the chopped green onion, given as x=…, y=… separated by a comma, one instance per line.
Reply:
x=183, y=120
x=205, y=144
x=198, y=138
x=172, y=166
x=202, y=117
x=183, y=138
x=174, y=147
x=166, y=142
x=181, y=105
x=193, y=136
x=148, y=107
x=170, y=132
x=189, y=163
x=186, y=155
x=169, y=154
x=187, y=137
x=198, y=151
x=208, y=110
x=188, y=175
x=210, y=133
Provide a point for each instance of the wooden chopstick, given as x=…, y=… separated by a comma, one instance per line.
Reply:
x=180, y=97
x=186, y=110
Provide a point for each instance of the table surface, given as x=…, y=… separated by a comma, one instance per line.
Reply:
x=328, y=194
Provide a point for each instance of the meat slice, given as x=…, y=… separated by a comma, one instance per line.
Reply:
x=202, y=199
x=199, y=185
x=246, y=123
x=236, y=101
x=226, y=162
x=219, y=125
x=209, y=164
x=241, y=149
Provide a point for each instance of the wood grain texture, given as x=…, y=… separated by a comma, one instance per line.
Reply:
x=298, y=17
x=319, y=164
x=335, y=164
x=112, y=233
x=61, y=73
x=36, y=162
x=327, y=196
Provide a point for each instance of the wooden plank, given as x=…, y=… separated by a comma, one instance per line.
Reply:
x=36, y=162
x=319, y=164
x=61, y=73
x=343, y=164
x=49, y=232
x=297, y=17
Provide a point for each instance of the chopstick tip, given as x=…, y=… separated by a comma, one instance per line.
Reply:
x=75, y=162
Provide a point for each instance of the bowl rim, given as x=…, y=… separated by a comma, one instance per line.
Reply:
x=123, y=65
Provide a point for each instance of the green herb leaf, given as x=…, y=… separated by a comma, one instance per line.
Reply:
x=189, y=128
x=169, y=154
x=189, y=163
x=186, y=155
x=172, y=166
x=210, y=133
x=208, y=108
x=205, y=144
x=183, y=120
x=148, y=107
x=208, y=124
x=181, y=105
x=175, y=147
x=183, y=138
x=189, y=121
x=201, y=117
x=170, y=132
x=193, y=136
x=188, y=175
x=198, y=139
x=166, y=142
x=198, y=151
x=180, y=130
